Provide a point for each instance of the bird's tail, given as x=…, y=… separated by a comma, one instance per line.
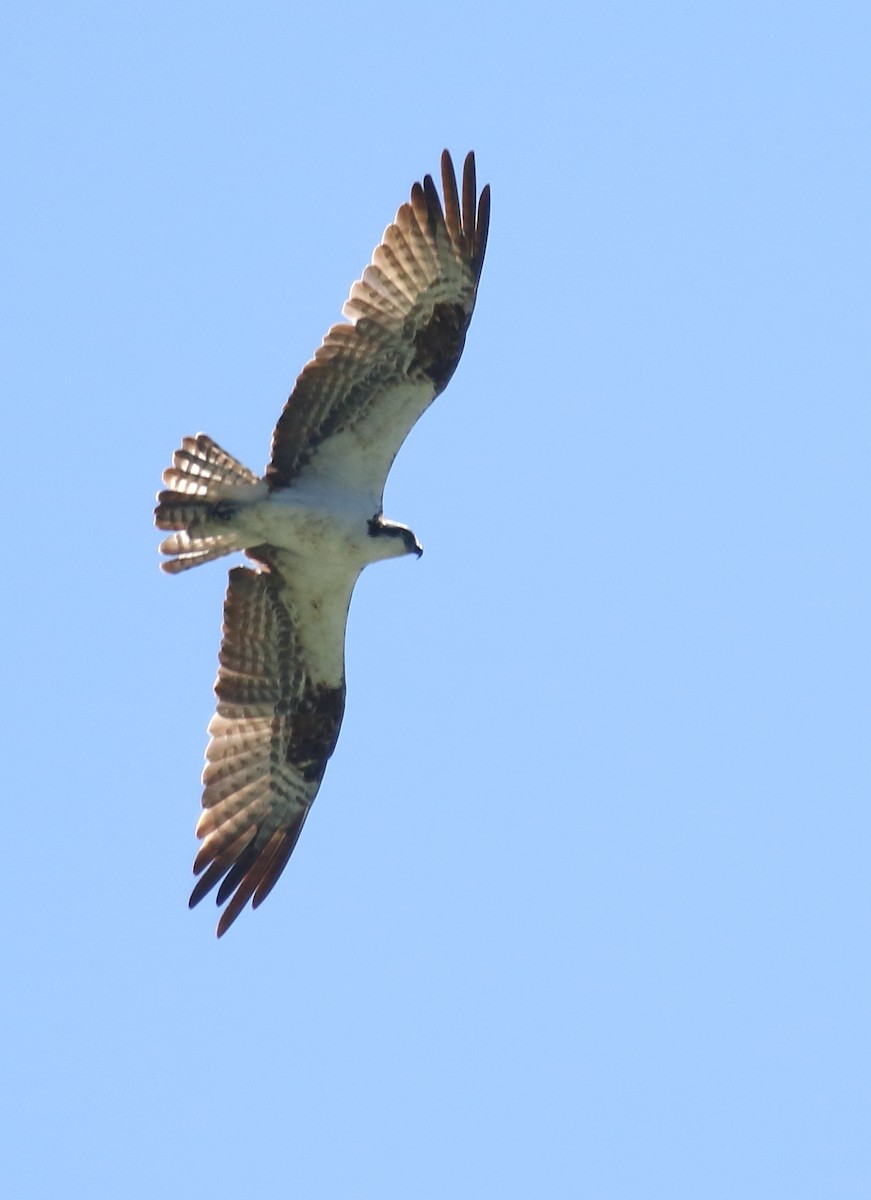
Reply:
x=202, y=484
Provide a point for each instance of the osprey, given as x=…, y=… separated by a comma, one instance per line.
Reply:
x=311, y=524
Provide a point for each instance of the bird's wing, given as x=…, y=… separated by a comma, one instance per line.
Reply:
x=281, y=695
x=370, y=380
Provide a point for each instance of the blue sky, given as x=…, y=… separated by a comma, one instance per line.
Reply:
x=582, y=907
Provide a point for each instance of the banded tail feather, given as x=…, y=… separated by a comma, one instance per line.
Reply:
x=201, y=484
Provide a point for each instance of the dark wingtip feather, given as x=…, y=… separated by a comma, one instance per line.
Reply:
x=482, y=228
x=216, y=860
x=205, y=885
x=452, y=200
x=470, y=196
x=276, y=866
x=249, y=880
x=433, y=203
x=243, y=870
x=419, y=206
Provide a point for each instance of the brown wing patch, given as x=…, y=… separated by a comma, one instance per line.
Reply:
x=313, y=731
x=439, y=344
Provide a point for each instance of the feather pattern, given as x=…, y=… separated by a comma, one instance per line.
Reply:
x=370, y=381
x=275, y=727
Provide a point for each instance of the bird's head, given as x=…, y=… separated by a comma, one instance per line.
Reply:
x=392, y=540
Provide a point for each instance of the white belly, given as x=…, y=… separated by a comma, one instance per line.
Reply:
x=317, y=523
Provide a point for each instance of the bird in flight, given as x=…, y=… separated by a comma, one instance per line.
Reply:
x=310, y=525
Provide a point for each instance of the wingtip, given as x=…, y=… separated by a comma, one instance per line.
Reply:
x=467, y=214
